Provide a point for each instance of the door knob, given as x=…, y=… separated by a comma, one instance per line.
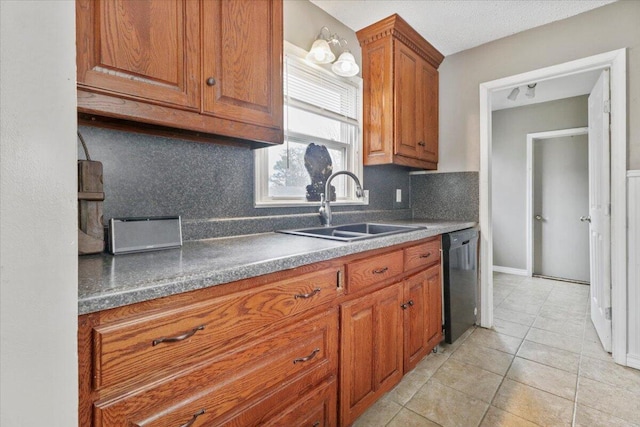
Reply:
x=585, y=218
x=538, y=217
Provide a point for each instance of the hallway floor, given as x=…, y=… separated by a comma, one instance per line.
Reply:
x=542, y=365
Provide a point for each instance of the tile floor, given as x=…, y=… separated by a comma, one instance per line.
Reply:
x=541, y=365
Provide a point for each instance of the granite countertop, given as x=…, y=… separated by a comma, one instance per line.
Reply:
x=106, y=281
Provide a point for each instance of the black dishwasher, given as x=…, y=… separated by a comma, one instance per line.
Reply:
x=460, y=281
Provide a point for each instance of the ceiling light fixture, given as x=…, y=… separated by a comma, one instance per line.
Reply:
x=531, y=90
x=321, y=53
x=514, y=94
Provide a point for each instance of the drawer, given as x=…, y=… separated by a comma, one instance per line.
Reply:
x=224, y=392
x=164, y=342
x=367, y=272
x=316, y=409
x=422, y=255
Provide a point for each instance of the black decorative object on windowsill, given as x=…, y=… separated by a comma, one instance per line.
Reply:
x=318, y=163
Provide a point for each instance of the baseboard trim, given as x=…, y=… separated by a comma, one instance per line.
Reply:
x=509, y=270
x=633, y=361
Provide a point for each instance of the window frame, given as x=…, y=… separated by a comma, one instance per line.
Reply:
x=353, y=160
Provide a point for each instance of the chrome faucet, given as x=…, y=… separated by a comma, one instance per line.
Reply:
x=325, y=207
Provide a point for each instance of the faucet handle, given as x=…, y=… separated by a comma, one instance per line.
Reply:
x=322, y=198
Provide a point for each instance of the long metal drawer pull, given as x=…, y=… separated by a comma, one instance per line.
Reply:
x=316, y=424
x=309, y=295
x=193, y=419
x=309, y=357
x=381, y=270
x=179, y=337
x=427, y=255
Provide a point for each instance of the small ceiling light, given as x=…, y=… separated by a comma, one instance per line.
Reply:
x=514, y=94
x=321, y=53
x=531, y=90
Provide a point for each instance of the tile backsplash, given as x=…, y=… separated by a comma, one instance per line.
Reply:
x=211, y=186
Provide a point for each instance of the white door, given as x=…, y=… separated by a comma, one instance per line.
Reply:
x=560, y=198
x=600, y=209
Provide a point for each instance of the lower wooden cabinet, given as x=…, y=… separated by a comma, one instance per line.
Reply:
x=371, y=349
x=313, y=346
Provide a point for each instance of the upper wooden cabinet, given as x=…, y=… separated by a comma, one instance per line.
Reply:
x=212, y=66
x=399, y=69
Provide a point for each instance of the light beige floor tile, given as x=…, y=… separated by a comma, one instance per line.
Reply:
x=553, y=339
x=543, y=377
x=520, y=306
x=527, y=297
x=442, y=405
x=589, y=417
x=611, y=373
x=469, y=379
x=410, y=384
x=573, y=288
x=568, y=299
x=574, y=328
x=498, y=418
x=495, y=340
x=447, y=349
x=486, y=358
x=590, y=332
x=561, y=312
x=407, y=418
x=514, y=316
x=429, y=365
x=510, y=328
x=550, y=356
x=609, y=399
x=594, y=349
x=534, y=405
x=379, y=414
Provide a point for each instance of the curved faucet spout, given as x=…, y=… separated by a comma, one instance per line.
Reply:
x=325, y=198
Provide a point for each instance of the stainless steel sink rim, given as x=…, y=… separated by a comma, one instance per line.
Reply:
x=353, y=232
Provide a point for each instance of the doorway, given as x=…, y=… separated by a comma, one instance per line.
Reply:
x=616, y=61
x=558, y=204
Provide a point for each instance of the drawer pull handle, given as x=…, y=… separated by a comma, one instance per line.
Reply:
x=179, y=337
x=193, y=419
x=380, y=270
x=316, y=424
x=309, y=295
x=309, y=357
x=427, y=255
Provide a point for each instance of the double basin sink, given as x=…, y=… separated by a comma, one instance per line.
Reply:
x=353, y=232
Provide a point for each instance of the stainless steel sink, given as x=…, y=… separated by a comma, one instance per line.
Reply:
x=352, y=232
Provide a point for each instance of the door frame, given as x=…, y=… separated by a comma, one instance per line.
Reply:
x=616, y=61
x=531, y=138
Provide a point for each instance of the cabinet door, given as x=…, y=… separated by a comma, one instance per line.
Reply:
x=427, y=119
x=407, y=101
x=140, y=49
x=371, y=350
x=242, y=60
x=416, y=319
x=434, y=306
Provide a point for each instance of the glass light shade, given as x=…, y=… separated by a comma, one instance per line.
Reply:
x=514, y=94
x=346, y=65
x=531, y=91
x=320, y=52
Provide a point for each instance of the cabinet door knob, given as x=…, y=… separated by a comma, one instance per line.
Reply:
x=422, y=144
x=211, y=81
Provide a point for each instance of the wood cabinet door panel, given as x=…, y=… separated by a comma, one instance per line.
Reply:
x=144, y=49
x=416, y=318
x=316, y=409
x=407, y=66
x=422, y=255
x=370, y=271
x=242, y=52
x=126, y=350
x=428, y=112
x=434, y=284
x=299, y=356
x=371, y=350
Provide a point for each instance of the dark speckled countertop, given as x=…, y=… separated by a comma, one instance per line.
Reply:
x=107, y=281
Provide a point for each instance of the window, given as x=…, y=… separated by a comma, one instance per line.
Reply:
x=320, y=108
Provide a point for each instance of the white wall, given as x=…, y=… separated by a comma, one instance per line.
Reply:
x=509, y=168
x=38, y=225
x=633, y=356
x=601, y=30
